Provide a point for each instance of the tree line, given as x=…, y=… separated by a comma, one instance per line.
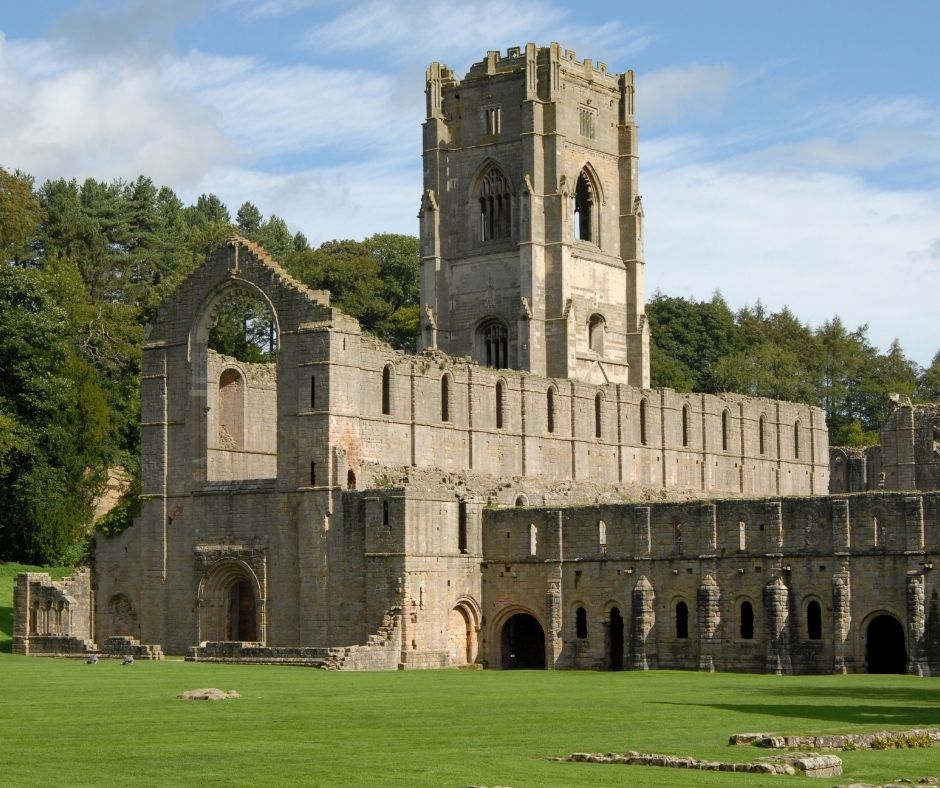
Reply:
x=83, y=266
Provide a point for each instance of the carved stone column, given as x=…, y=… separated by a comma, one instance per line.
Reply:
x=841, y=619
x=917, y=625
x=643, y=619
x=709, y=619
x=777, y=611
x=553, y=641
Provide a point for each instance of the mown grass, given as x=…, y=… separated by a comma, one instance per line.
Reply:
x=63, y=722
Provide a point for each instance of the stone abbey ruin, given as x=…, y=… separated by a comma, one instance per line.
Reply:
x=514, y=494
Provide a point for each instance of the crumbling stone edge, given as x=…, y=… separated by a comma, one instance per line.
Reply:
x=876, y=740
x=810, y=764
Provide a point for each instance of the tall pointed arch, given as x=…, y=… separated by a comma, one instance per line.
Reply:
x=493, y=202
x=587, y=202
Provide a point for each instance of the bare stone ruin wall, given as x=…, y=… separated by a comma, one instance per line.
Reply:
x=777, y=555
x=680, y=443
x=52, y=617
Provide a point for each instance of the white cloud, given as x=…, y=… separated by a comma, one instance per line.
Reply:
x=421, y=30
x=671, y=93
x=818, y=242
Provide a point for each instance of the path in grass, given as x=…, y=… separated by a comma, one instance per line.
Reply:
x=65, y=722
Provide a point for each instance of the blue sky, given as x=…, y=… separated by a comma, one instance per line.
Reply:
x=790, y=152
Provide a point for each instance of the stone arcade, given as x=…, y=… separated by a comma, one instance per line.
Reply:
x=490, y=499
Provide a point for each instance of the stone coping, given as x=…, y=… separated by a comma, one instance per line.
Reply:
x=836, y=741
x=810, y=764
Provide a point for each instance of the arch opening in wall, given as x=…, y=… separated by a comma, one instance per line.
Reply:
x=550, y=408
x=682, y=620
x=725, y=429
x=230, y=603
x=580, y=623
x=615, y=631
x=492, y=344
x=500, y=404
x=686, y=419
x=521, y=501
x=598, y=416
x=885, y=650
x=643, y=415
x=234, y=347
x=462, y=635
x=586, y=204
x=746, y=621
x=387, y=390
x=796, y=440
x=350, y=479
x=813, y=620
x=597, y=329
x=494, y=205
x=522, y=642
x=445, y=397
x=762, y=434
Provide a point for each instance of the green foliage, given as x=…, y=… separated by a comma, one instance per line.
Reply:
x=20, y=214
x=244, y=328
x=853, y=435
x=121, y=517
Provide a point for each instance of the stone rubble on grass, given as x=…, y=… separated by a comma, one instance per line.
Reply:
x=832, y=741
x=208, y=693
x=810, y=764
x=901, y=782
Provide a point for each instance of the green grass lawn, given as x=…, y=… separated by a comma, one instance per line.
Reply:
x=63, y=722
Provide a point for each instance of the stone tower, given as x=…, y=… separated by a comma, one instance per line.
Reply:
x=531, y=222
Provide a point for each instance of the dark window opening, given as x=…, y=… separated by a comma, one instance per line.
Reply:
x=495, y=339
x=814, y=621
x=462, y=526
x=682, y=620
x=796, y=440
x=685, y=425
x=598, y=415
x=523, y=643
x=725, y=426
x=313, y=392
x=643, y=435
x=746, y=629
x=385, y=518
x=580, y=622
x=495, y=206
x=445, y=398
x=585, y=205
x=350, y=480
x=761, y=435
x=387, y=391
x=499, y=404
x=313, y=474
x=550, y=408
x=885, y=651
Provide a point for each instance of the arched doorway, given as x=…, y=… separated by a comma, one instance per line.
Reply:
x=231, y=603
x=885, y=651
x=615, y=640
x=461, y=636
x=523, y=643
x=242, y=613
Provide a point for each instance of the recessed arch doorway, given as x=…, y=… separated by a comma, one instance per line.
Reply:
x=885, y=650
x=231, y=606
x=522, y=643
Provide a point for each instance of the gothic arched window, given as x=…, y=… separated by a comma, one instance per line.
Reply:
x=494, y=344
x=585, y=209
x=596, y=329
x=495, y=206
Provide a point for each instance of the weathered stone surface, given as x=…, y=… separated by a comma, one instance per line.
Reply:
x=820, y=766
x=208, y=693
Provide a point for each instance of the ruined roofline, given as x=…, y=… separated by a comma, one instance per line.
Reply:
x=265, y=259
x=515, y=60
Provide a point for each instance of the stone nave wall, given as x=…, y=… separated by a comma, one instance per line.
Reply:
x=856, y=557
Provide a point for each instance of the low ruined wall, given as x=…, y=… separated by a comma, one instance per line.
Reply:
x=52, y=616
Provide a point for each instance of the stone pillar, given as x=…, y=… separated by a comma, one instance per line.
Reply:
x=916, y=625
x=553, y=641
x=933, y=634
x=643, y=619
x=777, y=612
x=22, y=605
x=709, y=619
x=841, y=619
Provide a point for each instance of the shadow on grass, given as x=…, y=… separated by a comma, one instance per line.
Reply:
x=904, y=709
